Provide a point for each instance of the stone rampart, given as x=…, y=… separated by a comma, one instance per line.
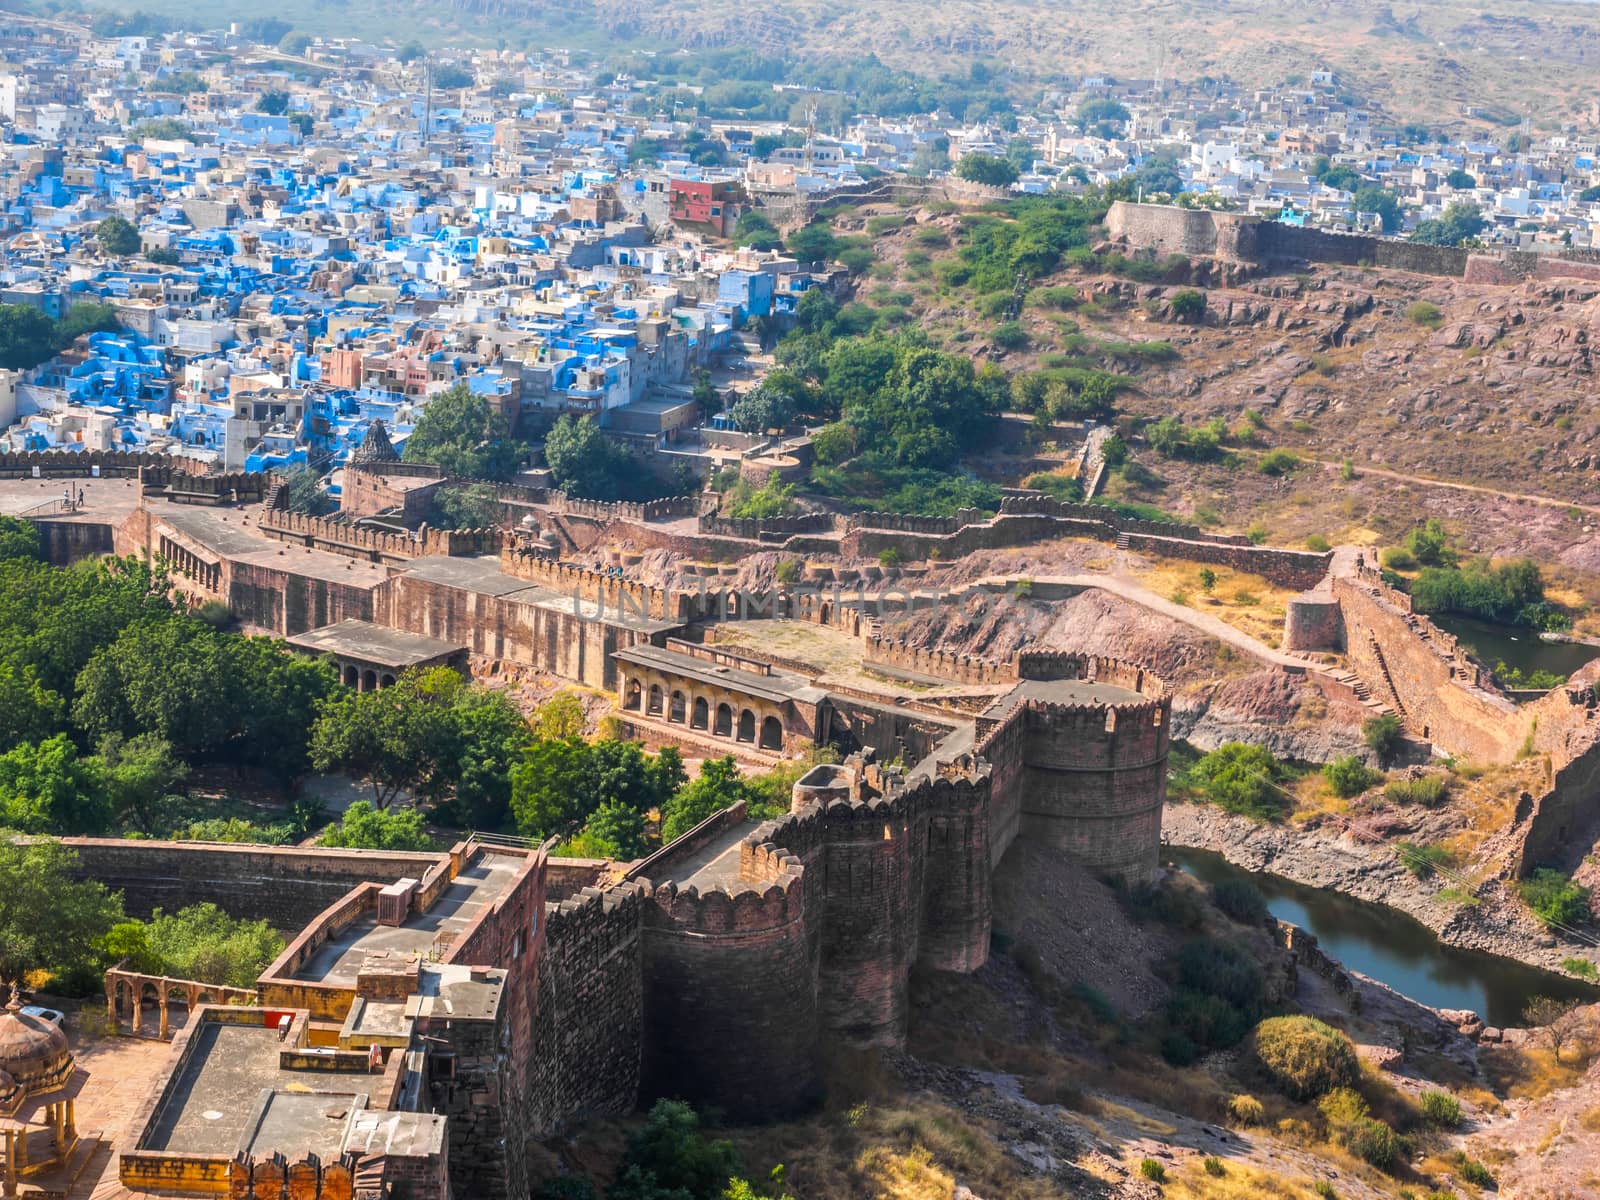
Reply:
x=1440, y=691
x=766, y=529
x=1287, y=568
x=895, y=654
x=309, y=1178
x=288, y=886
x=732, y=1017
x=1167, y=229
x=588, y=1023
x=376, y=545
x=616, y=593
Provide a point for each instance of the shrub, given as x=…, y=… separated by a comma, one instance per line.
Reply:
x=1256, y=534
x=1241, y=900
x=1370, y=1140
x=1580, y=967
x=1324, y=1189
x=1319, y=544
x=1278, y=462
x=1175, y=906
x=1187, y=305
x=1422, y=312
x=1383, y=735
x=1430, y=791
x=1152, y=1170
x=1423, y=861
x=1245, y=1109
x=1474, y=1172
x=1010, y=335
x=1349, y=776
x=1441, y=1109
x=1554, y=899
x=889, y=557
x=1241, y=779
x=1303, y=1057
x=1323, y=365
x=1213, y=1166
x=1397, y=558
x=1222, y=969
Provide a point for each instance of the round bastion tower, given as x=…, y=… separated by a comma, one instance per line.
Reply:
x=1093, y=770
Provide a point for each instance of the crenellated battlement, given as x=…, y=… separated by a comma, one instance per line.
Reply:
x=307, y=1178
x=377, y=544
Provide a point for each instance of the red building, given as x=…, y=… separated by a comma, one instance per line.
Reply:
x=702, y=202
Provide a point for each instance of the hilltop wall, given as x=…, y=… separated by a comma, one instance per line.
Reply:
x=1168, y=229
x=375, y=545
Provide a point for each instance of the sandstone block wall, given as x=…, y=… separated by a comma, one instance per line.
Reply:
x=286, y=885
x=1313, y=621
x=1434, y=685
x=1287, y=568
x=588, y=1024
x=732, y=983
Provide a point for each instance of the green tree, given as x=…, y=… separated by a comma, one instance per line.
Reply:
x=49, y=920
x=450, y=77
x=84, y=318
x=29, y=712
x=1374, y=199
x=671, y=1159
x=306, y=494
x=396, y=738
x=294, y=42
x=561, y=716
x=205, y=944
x=1460, y=179
x=117, y=236
x=410, y=52
x=469, y=506
x=140, y=773
x=987, y=169
x=614, y=830
x=363, y=827
x=583, y=460
x=463, y=434
x=273, y=103
x=1555, y=899
x=1187, y=305
x=1344, y=178
x=47, y=788
x=1349, y=776
x=27, y=336
x=812, y=243
x=20, y=539
x=1461, y=222
x=1383, y=735
x=719, y=786
x=561, y=782
x=753, y=229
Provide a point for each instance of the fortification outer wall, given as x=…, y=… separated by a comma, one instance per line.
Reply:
x=1286, y=568
x=376, y=545
x=287, y=886
x=1093, y=782
x=588, y=1021
x=732, y=1015
x=66, y=542
x=1313, y=621
x=1435, y=685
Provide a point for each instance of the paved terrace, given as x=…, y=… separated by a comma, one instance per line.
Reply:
x=338, y=960
x=216, y=1094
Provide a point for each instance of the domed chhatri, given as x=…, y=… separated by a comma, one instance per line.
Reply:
x=34, y=1056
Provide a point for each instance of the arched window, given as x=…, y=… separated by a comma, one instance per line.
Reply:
x=724, y=726
x=747, y=726
x=632, y=695
x=772, y=734
x=675, y=710
x=654, y=705
x=699, y=715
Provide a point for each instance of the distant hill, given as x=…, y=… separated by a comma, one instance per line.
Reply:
x=1427, y=59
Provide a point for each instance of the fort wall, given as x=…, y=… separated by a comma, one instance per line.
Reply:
x=244, y=881
x=1167, y=229
x=588, y=1020
x=1440, y=691
x=376, y=545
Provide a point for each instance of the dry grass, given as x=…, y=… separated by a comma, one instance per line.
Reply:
x=1238, y=1182
x=1247, y=602
x=1529, y=1074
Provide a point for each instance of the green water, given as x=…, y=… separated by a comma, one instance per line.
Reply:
x=1515, y=646
x=1394, y=949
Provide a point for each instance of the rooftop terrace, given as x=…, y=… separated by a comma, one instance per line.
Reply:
x=214, y=1104
x=338, y=960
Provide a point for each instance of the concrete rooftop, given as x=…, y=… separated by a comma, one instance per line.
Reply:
x=215, y=1097
x=339, y=959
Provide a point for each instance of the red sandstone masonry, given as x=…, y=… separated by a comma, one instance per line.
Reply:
x=377, y=545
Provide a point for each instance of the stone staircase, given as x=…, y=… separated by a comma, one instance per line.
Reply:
x=86, y=1162
x=1393, y=697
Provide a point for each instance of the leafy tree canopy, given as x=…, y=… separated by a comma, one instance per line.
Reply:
x=461, y=433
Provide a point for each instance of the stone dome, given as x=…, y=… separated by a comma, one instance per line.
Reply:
x=33, y=1052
